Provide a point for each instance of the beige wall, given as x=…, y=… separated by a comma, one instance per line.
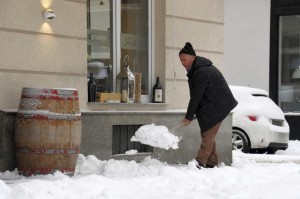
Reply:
x=200, y=22
x=37, y=53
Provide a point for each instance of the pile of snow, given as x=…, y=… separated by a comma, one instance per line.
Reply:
x=118, y=168
x=131, y=152
x=123, y=179
x=156, y=136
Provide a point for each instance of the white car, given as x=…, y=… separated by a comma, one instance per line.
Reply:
x=258, y=123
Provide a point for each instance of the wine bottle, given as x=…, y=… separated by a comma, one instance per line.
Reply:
x=157, y=92
x=92, y=87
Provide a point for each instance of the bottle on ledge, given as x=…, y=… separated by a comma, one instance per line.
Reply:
x=92, y=87
x=157, y=95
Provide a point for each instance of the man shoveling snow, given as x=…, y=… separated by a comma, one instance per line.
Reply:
x=156, y=136
x=210, y=100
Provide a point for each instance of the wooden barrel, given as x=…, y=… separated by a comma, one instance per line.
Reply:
x=48, y=131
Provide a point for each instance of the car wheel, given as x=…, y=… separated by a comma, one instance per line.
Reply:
x=240, y=141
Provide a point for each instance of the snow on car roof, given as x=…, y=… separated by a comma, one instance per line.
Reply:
x=249, y=104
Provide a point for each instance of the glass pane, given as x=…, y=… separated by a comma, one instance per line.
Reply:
x=289, y=62
x=134, y=38
x=99, y=20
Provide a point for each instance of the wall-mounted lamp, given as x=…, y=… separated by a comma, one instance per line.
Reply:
x=296, y=73
x=49, y=14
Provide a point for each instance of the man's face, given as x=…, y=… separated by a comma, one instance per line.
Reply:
x=186, y=60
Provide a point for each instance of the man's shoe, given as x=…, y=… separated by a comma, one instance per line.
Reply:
x=199, y=164
x=210, y=166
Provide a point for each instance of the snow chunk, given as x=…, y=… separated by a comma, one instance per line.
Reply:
x=89, y=165
x=131, y=152
x=156, y=136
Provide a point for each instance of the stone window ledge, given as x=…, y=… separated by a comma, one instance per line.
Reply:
x=97, y=106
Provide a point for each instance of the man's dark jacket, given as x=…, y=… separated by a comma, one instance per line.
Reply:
x=211, y=99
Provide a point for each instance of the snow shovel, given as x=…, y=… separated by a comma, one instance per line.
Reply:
x=176, y=127
x=179, y=125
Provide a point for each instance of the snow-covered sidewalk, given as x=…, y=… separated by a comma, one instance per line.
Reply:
x=248, y=177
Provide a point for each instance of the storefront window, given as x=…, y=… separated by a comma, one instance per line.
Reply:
x=289, y=63
x=116, y=29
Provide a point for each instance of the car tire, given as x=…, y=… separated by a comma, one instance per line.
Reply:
x=240, y=141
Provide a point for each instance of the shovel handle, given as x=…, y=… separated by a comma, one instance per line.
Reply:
x=177, y=126
x=180, y=124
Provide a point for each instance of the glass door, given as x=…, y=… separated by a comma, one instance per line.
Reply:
x=289, y=63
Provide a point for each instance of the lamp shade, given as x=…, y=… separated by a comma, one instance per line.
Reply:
x=296, y=73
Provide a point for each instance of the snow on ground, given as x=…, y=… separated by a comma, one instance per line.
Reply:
x=113, y=179
x=156, y=136
x=293, y=149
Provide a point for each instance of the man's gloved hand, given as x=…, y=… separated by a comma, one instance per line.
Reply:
x=186, y=122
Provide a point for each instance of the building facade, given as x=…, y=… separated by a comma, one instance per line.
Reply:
x=99, y=37
x=56, y=53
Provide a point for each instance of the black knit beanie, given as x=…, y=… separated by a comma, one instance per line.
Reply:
x=187, y=49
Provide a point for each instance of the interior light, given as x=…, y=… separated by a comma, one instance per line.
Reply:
x=296, y=73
